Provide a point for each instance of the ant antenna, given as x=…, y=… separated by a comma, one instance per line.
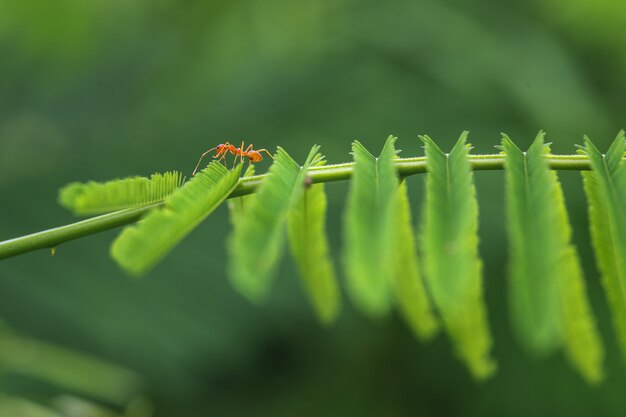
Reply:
x=201, y=157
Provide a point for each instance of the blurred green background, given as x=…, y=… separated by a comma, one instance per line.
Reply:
x=99, y=89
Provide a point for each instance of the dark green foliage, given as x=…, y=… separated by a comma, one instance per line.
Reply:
x=14, y=406
x=85, y=380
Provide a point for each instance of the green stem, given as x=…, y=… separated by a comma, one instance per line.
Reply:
x=406, y=166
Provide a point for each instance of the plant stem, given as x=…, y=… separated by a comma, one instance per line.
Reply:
x=53, y=237
x=406, y=166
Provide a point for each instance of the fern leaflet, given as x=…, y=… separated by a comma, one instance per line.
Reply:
x=138, y=248
x=256, y=245
x=368, y=217
x=309, y=246
x=532, y=274
x=408, y=284
x=237, y=206
x=97, y=198
x=605, y=186
x=450, y=246
x=547, y=290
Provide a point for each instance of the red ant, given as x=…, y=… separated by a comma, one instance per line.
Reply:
x=223, y=148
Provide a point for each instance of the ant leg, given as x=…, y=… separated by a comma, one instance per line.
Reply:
x=246, y=152
x=201, y=157
x=240, y=154
x=223, y=158
x=230, y=148
x=266, y=151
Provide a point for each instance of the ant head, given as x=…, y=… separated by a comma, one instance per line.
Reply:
x=255, y=156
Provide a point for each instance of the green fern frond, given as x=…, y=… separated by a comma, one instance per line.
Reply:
x=308, y=242
x=547, y=290
x=605, y=186
x=368, y=218
x=408, y=284
x=97, y=198
x=138, y=248
x=450, y=246
x=549, y=304
x=256, y=245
